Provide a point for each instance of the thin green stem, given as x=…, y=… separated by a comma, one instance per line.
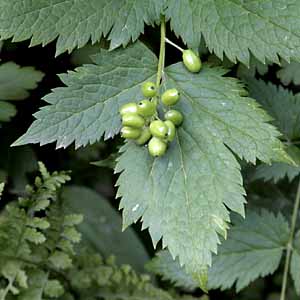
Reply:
x=173, y=44
x=290, y=244
x=161, y=60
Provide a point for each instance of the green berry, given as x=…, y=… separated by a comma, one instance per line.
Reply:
x=170, y=97
x=130, y=133
x=171, y=130
x=133, y=120
x=127, y=108
x=159, y=129
x=174, y=116
x=191, y=61
x=146, y=108
x=145, y=137
x=157, y=147
x=149, y=89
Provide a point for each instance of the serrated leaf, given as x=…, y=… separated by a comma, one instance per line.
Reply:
x=278, y=171
x=75, y=22
x=88, y=107
x=255, y=244
x=170, y=270
x=280, y=103
x=15, y=81
x=54, y=289
x=266, y=28
x=34, y=236
x=295, y=263
x=60, y=260
x=71, y=234
x=73, y=219
x=254, y=248
x=289, y=73
x=39, y=223
x=101, y=227
x=201, y=175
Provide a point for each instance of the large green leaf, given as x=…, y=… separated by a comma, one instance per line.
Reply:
x=88, y=107
x=182, y=197
x=102, y=227
x=236, y=27
x=254, y=248
x=75, y=22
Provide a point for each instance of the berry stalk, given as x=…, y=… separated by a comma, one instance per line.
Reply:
x=162, y=51
x=290, y=244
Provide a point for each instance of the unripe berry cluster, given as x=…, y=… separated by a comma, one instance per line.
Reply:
x=141, y=122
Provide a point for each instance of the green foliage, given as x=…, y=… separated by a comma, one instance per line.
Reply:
x=295, y=263
x=284, y=107
x=37, y=255
x=214, y=117
x=235, y=27
x=29, y=239
x=76, y=22
x=15, y=82
x=100, y=90
x=268, y=29
x=191, y=198
x=254, y=248
x=289, y=73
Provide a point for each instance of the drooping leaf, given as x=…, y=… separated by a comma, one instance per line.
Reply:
x=192, y=186
x=88, y=107
x=295, y=263
x=266, y=28
x=16, y=81
x=289, y=73
x=75, y=22
x=102, y=227
x=254, y=248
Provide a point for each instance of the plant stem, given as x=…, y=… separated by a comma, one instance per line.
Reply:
x=173, y=44
x=290, y=243
x=161, y=61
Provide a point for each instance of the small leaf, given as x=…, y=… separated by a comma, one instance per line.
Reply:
x=60, y=260
x=15, y=81
x=7, y=111
x=54, y=289
x=289, y=73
